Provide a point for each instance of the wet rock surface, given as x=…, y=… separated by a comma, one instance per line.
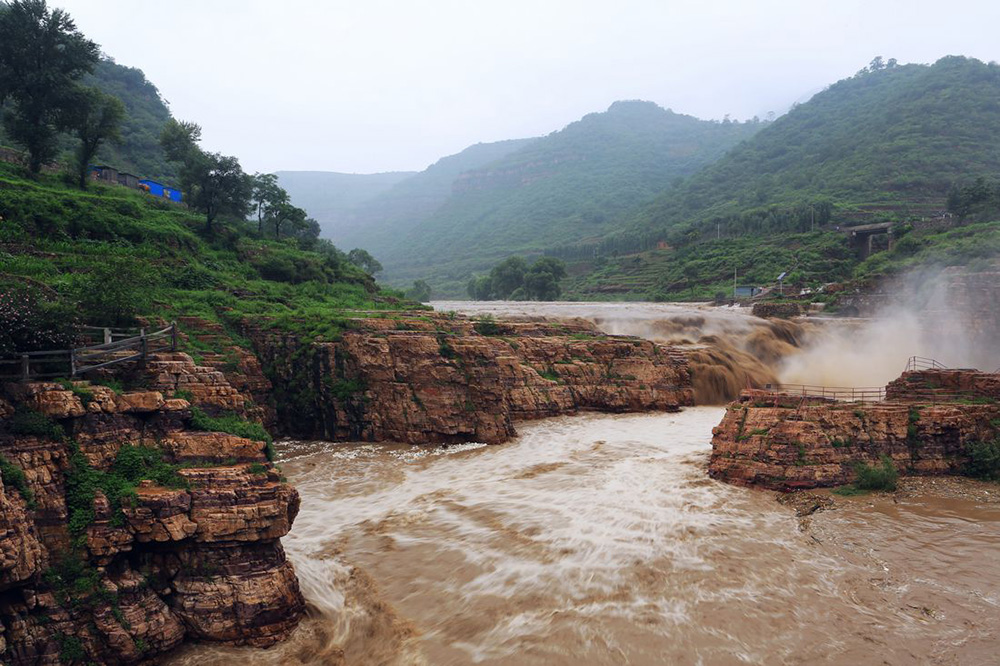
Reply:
x=789, y=442
x=158, y=566
x=436, y=379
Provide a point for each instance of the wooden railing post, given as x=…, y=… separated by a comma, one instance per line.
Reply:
x=25, y=367
x=143, y=344
x=173, y=336
x=107, y=335
x=72, y=363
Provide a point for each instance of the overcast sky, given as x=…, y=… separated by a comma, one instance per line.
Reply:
x=380, y=85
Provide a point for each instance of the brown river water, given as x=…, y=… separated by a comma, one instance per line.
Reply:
x=599, y=539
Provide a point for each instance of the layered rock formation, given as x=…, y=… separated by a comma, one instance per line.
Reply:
x=789, y=442
x=96, y=567
x=430, y=378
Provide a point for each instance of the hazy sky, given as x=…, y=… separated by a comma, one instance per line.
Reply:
x=380, y=85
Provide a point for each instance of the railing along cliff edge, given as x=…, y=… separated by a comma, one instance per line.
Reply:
x=72, y=362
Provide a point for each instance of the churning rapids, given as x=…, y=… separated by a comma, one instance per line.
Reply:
x=599, y=539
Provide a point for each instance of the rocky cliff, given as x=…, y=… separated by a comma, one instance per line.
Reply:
x=786, y=442
x=124, y=528
x=430, y=378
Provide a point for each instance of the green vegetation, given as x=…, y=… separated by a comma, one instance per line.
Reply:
x=568, y=186
x=232, y=424
x=110, y=255
x=849, y=491
x=42, y=59
x=132, y=465
x=887, y=145
x=513, y=279
x=13, y=477
x=85, y=395
x=374, y=211
x=882, y=476
x=29, y=422
x=984, y=460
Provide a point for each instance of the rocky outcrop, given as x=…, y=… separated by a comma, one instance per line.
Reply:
x=944, y=386
x=768, y=310
x=786, y=442
x=121, y=580
x=431, y=378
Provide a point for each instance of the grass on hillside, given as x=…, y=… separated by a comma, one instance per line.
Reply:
x=112, y=253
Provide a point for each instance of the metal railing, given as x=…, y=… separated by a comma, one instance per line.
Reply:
x=72, y=362
x=834, y=393
x=917, y=363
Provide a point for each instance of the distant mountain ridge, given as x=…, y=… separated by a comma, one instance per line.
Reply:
x=333, y=199
x=890, y=140
x=384, y=219
x=492, y=200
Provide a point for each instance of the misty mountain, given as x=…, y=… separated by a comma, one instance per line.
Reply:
x=886, y=145
x=883, y=144
x=377, y=220
x=333, y=199
x=570, y=185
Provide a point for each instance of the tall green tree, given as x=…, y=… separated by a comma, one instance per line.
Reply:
x=266, y=196
x=421, y=291
x=96, y=118
x=508, y=276
x=364, y=260
x=288, y=216
x=541, y=281
x=215, y=184
x=42, y=55
x=219, y=187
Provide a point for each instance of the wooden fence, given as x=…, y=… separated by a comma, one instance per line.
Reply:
x=118, y=346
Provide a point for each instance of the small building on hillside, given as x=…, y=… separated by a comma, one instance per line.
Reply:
x=160, y=190
x=745, y=291
x=128, y=179
x=104, y=173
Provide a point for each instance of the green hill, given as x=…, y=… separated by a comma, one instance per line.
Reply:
x=382, y=221
x=333, y=199
x=146, y=113
x=886, y=145
x=111, y=255
x=568, y=186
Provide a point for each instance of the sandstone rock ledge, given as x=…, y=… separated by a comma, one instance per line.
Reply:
x=200, y=561
x=438, y=379
x=784, y=442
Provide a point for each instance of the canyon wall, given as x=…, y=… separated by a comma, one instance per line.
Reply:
x=787, y=442
x=430, y=378
x=98, y=565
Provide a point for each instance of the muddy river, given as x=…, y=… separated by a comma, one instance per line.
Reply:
x=599, y=539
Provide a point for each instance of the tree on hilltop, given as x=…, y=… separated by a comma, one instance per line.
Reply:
x=215, y=184
x=96, y=118
x=42, y=56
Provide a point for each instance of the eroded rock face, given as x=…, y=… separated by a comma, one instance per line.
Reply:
x=784, y=442
x=435, y=379
x=212, y=567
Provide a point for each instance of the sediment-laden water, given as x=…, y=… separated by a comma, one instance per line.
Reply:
x=599, y=539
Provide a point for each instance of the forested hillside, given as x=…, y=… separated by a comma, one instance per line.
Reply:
x=378, y=221
x=333, y=199
x=570, y=185
x=146, y=113
x=887, y=145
